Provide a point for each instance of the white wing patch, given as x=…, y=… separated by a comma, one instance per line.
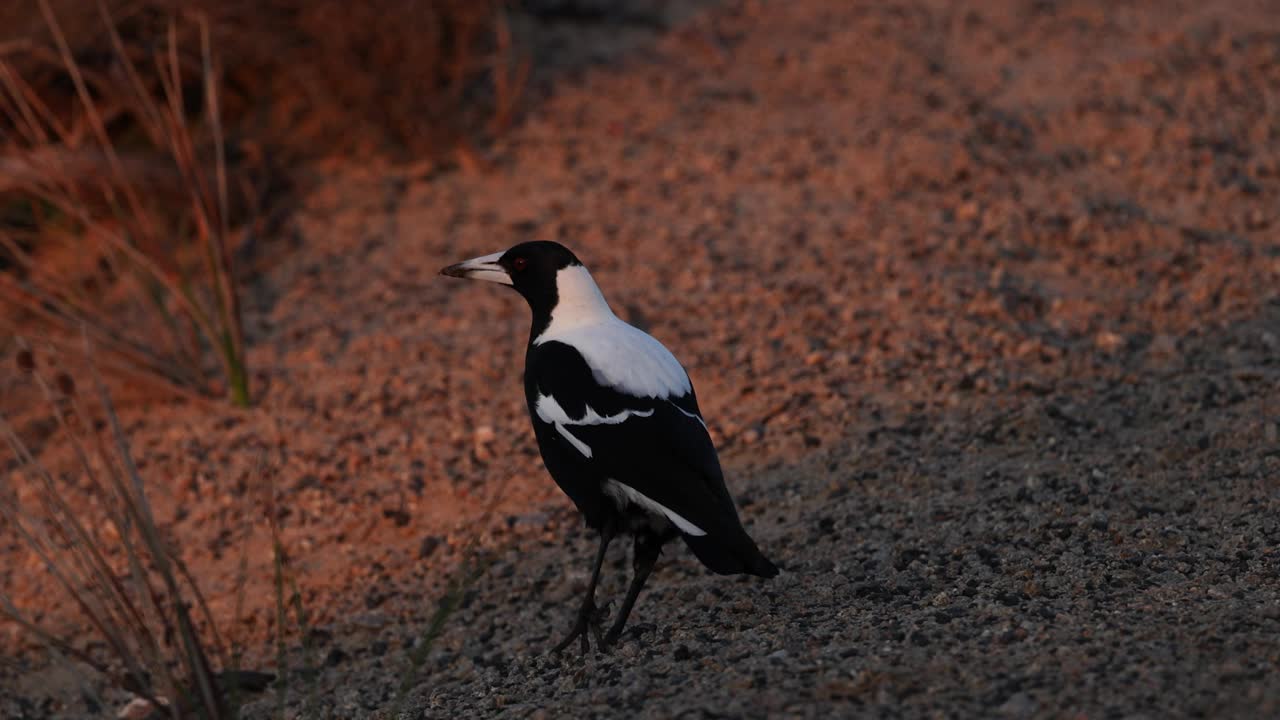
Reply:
x=549, y=411
x=582, y=447
x=689, y=414
x=620, y=356
x=622, y=494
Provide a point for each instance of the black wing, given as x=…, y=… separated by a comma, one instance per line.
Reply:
x=659, y=447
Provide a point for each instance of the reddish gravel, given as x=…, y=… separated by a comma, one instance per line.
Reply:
x=981, y=302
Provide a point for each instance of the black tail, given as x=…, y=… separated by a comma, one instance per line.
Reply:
x=736, y=556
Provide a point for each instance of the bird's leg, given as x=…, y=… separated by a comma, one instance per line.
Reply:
x=587, y=613
x=647, y=549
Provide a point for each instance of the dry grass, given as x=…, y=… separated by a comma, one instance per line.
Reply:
x=88, y=227
x=114, y=563
x=288, y=597
x=140, y=141
x=303, y=78
x=476, y=562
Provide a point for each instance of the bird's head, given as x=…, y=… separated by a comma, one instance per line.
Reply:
x=544, y=272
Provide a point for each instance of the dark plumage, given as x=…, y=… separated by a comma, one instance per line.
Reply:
x=618, y=425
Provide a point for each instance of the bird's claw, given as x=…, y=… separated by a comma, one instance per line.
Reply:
x=589, y=618
x=577, y=632
x=609, y=639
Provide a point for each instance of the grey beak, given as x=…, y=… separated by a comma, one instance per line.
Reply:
x=482, y=268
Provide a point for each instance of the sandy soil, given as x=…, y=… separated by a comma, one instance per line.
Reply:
x=982, y=301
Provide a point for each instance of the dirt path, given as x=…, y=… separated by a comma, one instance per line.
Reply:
x=981, y=303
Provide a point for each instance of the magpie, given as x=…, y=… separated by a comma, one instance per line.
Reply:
x=619, y=428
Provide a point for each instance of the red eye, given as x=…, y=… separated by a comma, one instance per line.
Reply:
x=519, y=264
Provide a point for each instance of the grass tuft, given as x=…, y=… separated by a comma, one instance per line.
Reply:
x=475, y=563
x=90, y=241
x=114, y=564
x=288, y=598
x=138, y=166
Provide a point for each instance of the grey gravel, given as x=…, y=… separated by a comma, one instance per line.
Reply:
x=957, y=591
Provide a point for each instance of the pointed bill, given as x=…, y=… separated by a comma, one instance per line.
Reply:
x=481, y=268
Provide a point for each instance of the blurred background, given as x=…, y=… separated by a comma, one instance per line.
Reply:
x=953, y=279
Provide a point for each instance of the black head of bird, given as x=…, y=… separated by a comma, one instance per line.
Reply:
x=618, y=425
x=531, y=269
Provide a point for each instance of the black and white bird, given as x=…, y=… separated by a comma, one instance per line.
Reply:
x=618, y=425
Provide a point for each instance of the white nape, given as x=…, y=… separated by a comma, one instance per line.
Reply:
x=550, y=411
x=624, y=494
x=620, y=356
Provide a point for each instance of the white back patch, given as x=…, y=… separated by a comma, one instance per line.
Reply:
x=620, y=356
x=550, y=411
x=624, y=494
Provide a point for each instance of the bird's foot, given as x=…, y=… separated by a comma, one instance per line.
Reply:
x=610, y=638
x=589, y=619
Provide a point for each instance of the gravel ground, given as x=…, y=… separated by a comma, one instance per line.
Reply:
x=1110, y=550
x=981, y=300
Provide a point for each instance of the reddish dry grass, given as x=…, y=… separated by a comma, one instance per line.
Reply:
x=301, y=78
x=113, y=563
x=70, y=190
x=140, y=141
